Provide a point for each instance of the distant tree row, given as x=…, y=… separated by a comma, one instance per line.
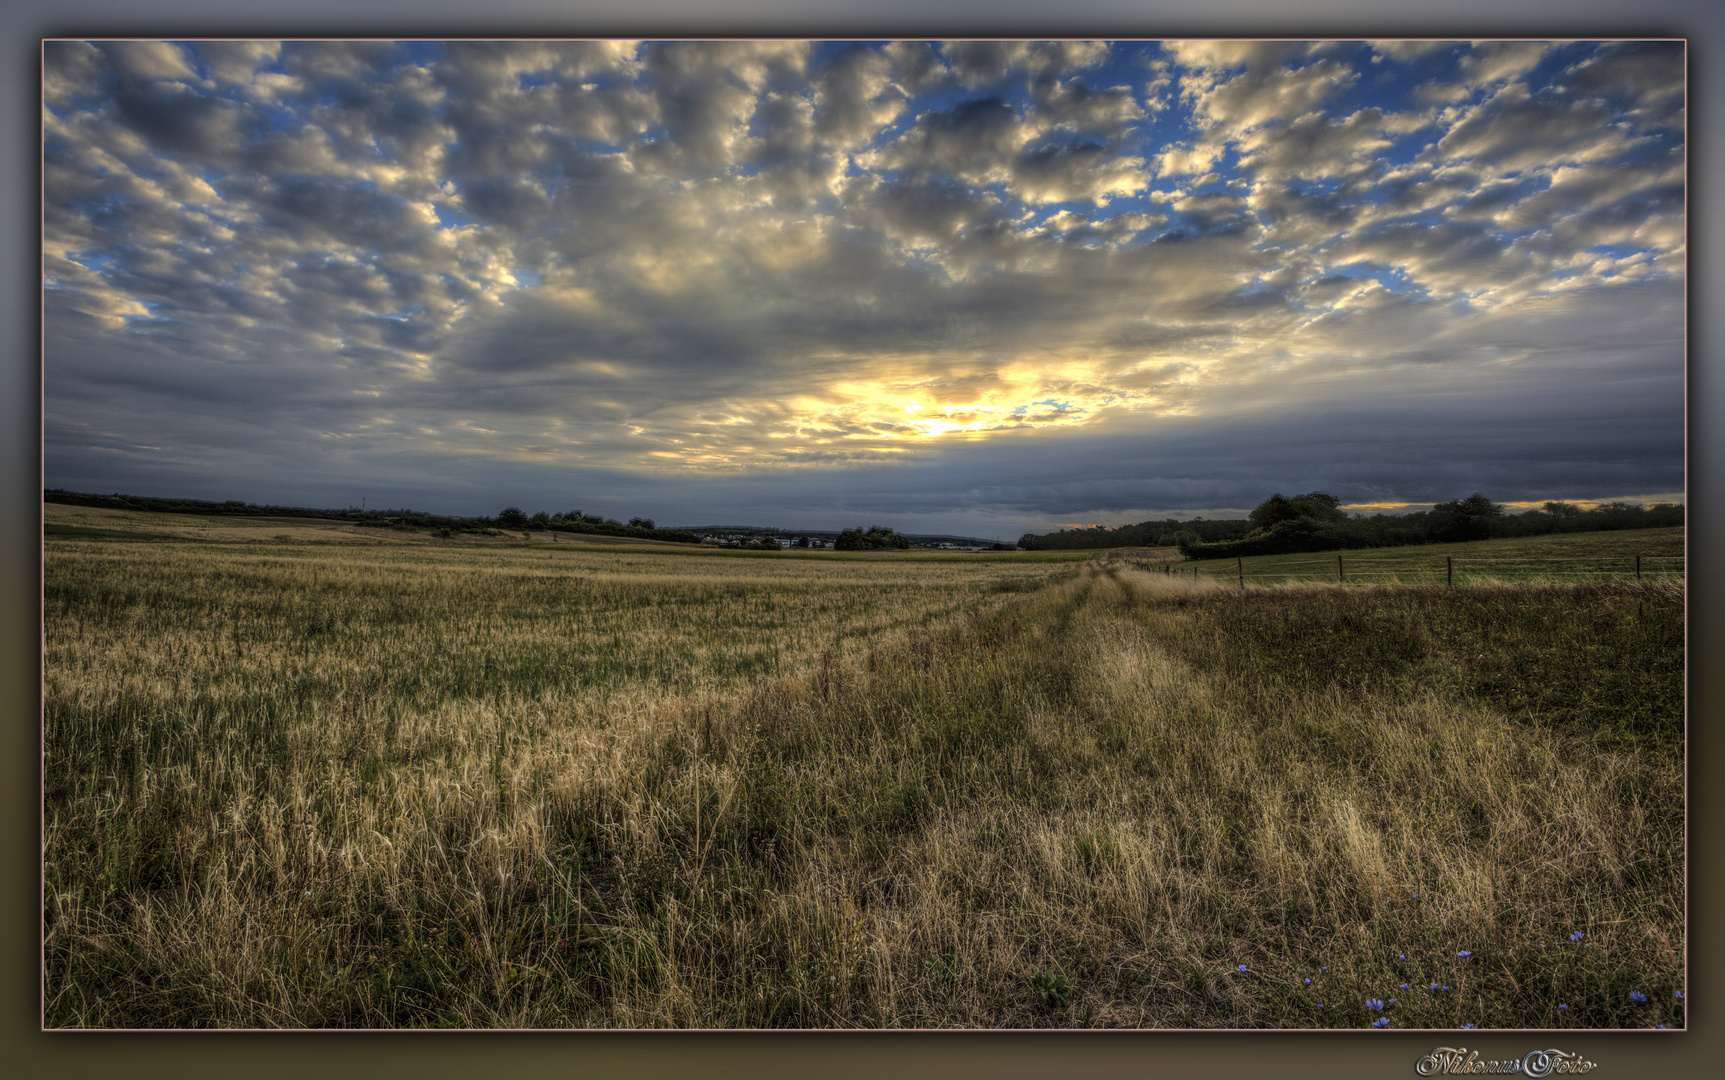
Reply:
x=1316, y=522
x=511, y=517
x=875, y=538
x=1144, y=534
x=574, y=521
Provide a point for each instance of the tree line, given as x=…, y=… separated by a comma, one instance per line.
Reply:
x=1315, y=522
x=574, y=521
x=511, y=517
x=1144, y=534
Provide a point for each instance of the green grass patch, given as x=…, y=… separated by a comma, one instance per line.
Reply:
x=1568, y=557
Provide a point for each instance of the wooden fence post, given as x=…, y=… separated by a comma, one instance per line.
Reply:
x=1339, y=578
x=1637, y=568
x=1241, y=567
x=1449, y=570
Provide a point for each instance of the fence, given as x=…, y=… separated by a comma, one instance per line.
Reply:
x=1448, y=569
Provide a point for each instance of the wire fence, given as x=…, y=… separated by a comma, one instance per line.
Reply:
x=1448, y=569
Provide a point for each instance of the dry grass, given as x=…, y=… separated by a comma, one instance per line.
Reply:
x=393, y=787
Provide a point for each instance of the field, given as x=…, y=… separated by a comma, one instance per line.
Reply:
x=1650, y=554
x=297, y=777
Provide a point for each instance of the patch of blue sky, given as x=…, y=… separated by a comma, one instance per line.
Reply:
x=527, y=279
x=1061, y=407
x=1127, y=64
x=1157, y=131
x=449, y=219
x=403, y=315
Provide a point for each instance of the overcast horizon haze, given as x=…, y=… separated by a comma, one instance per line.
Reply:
x=981, y=288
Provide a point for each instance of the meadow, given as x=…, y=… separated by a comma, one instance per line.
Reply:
x=300, y=778
x=1619, y=555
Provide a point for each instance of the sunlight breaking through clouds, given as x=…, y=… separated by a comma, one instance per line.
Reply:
x=707, y=260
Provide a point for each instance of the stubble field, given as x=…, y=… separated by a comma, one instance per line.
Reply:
x=291, y=783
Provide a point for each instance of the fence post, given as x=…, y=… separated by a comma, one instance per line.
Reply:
x=1339, y=578
x=1449, y=570
x=1637, y=568
x=1241, y=567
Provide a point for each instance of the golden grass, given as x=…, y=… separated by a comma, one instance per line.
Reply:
x=386, y=786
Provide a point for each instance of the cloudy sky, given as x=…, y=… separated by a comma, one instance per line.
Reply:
x=983, y=287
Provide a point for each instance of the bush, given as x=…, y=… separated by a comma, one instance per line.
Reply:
x=875, y=538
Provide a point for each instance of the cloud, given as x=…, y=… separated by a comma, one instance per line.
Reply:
x=844, y=272
x=1513, y=130
x=1267, y=92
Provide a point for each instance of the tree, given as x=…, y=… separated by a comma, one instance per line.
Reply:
x=511, y=517
x=876, y=538
x=1473, y=518
x=641, y=522
x=1315, y=506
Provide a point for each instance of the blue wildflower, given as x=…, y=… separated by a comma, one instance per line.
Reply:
x=1382, y=1021
x=1434, y=986
x=1463, y=955
x=1661, y=1027
x=1446, y=989
x=1401, y=956
x=1308, y=982
x=1577, y=936
x=1392, y=1001
x=1323, y=971
x=1638, y=997
x=1242, y=967
x=1467, y=1027
x=1679, y=995
x=1563, y=1008
x=1374, y=1004
x=1404, y=986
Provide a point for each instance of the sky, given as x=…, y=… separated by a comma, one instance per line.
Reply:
x=975, y=287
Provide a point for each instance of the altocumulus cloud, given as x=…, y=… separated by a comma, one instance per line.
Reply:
x=977, y=284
